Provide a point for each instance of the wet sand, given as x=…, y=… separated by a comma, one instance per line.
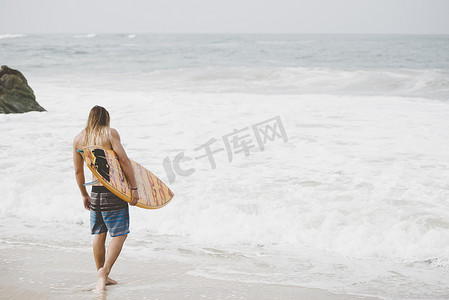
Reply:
x=45, y=272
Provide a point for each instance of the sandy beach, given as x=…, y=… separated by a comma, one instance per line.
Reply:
x=40, y=272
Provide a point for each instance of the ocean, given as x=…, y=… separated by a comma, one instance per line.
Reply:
x=351, y=197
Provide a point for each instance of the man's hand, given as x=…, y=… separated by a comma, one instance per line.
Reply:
x=86, y=202
x=134, y=197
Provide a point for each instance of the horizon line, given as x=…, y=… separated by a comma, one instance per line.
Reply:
x=250, y=32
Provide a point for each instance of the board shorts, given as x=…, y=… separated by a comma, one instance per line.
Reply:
x=108, y=213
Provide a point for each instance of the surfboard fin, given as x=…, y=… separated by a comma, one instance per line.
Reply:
x=90, y=183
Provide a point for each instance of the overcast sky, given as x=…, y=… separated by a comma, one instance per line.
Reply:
x=233, y=16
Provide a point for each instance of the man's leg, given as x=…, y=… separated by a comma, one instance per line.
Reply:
x=100, y=253
x=114, y=249
x=99, y=249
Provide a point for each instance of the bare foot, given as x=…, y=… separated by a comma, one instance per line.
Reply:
x=102, y=279
x=110, y=281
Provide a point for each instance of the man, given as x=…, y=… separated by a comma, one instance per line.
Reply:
x=107, y=211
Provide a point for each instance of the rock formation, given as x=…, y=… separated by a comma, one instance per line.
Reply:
x=16, y=96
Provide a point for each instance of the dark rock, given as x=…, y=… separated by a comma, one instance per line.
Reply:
x=16, y=96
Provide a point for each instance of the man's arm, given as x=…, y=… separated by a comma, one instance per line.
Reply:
x=78, y=163
x=125, y=163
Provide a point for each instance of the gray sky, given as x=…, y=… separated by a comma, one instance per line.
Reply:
x=289, y=16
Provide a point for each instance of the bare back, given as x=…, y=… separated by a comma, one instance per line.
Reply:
x=79, y=143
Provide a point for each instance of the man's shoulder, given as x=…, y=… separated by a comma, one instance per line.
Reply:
x=78, y=138
x=114, y=132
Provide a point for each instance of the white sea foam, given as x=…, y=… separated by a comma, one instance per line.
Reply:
x=294, y=80
x=89, y=35
x=11, y=36
x=354, y=177
x=360, y=177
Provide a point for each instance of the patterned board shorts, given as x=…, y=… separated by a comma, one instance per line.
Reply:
x=108, y=213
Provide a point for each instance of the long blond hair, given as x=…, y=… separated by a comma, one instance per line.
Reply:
x=97, y=129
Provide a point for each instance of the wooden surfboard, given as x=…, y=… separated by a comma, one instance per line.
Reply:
x=104, y=164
